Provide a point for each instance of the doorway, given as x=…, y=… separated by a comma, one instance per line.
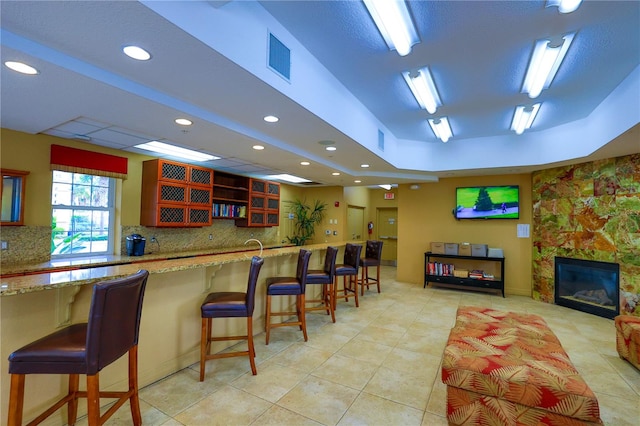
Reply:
x=387, y=226
x=355, y=222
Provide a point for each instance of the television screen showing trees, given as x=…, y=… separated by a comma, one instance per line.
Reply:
x=488, y=202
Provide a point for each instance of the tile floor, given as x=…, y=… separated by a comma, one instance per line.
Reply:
x=379, y=364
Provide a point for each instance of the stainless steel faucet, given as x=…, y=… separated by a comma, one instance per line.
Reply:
x=257, y=241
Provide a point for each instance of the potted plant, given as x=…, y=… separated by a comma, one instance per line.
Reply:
x=305, y=217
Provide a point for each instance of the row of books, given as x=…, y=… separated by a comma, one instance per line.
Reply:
x=229, y=210
x=437, y=268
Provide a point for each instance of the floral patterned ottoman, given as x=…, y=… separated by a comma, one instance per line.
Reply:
x=508, y=368
x=628, y=338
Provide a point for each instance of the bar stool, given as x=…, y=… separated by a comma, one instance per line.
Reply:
x=230, y=304
x=348, y=269
x=289, y=286
x=325, y=277
x=372, y=257
x=112, y=330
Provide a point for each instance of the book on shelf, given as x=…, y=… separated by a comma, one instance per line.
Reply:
x=437, y=268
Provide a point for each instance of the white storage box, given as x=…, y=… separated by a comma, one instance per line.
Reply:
x=495, y=252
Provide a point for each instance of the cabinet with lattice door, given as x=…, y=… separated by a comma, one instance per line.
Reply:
x=175, y=194
x=263, y=209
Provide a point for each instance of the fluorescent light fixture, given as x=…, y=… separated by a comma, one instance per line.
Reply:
x=394, y=23
x=164, y=148
x=423, y=89
x=386, y=186
x=271, y=119
x=441, y=128
x=523, y=117
x=544, y=64
x=137, y=53
x=288, y=178
x=565, y=6
x=21, y=67
x=258, y=147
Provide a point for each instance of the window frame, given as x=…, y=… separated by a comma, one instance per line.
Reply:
x=110, y=209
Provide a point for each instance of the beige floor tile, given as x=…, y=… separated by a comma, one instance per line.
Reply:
x=364, y=351
x=433, y=344
x=178, y=391
x=271, y=383
x=374, y=333
x=122, y=417
x=224, y=407
x=328, y=340
x=616, y=411
x=373, y=410
x=346, y=371
x=431, y=419
x=278, y=416
x=399, y=386
x=302, y=357
x=319, y=399
x=416, y=363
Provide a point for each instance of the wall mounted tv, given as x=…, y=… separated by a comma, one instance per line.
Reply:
x=488, y=202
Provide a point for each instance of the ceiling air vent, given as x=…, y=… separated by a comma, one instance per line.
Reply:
x=279, y=57
x=380, y=140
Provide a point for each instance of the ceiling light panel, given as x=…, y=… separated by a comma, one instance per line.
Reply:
x=394, y=23
x=565, y=6
x=523, y=117
x=441, y=128
x=175, y=151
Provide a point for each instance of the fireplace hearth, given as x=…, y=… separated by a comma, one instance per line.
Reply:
x=588, y=286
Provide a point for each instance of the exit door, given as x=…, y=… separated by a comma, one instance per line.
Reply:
x=387, y=227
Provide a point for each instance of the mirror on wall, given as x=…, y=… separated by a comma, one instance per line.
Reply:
x=12, y=200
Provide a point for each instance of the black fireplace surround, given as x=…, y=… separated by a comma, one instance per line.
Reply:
x=588, y=286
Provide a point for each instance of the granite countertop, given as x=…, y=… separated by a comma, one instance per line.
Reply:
x=56, y=274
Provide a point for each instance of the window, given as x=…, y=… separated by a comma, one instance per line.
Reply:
x=83, y=214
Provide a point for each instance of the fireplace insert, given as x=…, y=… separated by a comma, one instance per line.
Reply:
x=588, y=286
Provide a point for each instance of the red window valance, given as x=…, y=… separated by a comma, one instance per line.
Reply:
x=88, y=162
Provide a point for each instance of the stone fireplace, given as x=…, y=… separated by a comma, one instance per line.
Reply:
x=588, y=286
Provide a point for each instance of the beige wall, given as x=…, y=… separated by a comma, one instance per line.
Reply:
x=425, y=215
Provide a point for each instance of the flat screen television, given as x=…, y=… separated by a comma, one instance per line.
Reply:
x=488, y=202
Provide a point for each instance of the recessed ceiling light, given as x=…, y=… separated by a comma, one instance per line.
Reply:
x=331, y=148
x=183, y=122
x=364, y=166
x=335, y=174
x=271, y=119
x=21, y=68
x=357, y=181
x=304, y=163
x=258, y=147
x=137, y=53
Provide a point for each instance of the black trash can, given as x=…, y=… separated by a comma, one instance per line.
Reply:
x=135, y=245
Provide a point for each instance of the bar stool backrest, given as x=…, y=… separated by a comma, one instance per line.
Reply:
x=114, y=319
x=373, y=250
x=254, y=271
x=303, y=267
x=352, y=255
x=330, y=262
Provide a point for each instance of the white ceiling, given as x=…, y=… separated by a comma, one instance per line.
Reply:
x=209, y=64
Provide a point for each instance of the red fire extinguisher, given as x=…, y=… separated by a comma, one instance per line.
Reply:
x=370, y=228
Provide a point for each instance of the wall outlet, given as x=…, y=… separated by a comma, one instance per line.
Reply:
x=4, y=245
x=153, y=240
x=335, y=232
x=210, y=237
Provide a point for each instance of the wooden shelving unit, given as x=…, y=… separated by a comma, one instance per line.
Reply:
x=492, y=264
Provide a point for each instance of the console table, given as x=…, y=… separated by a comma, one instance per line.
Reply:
x=493, y=264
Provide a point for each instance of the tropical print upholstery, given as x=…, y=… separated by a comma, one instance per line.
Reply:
x=510, y=369
x=628, y=338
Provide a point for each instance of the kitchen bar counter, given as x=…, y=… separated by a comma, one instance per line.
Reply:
x=57, y=274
